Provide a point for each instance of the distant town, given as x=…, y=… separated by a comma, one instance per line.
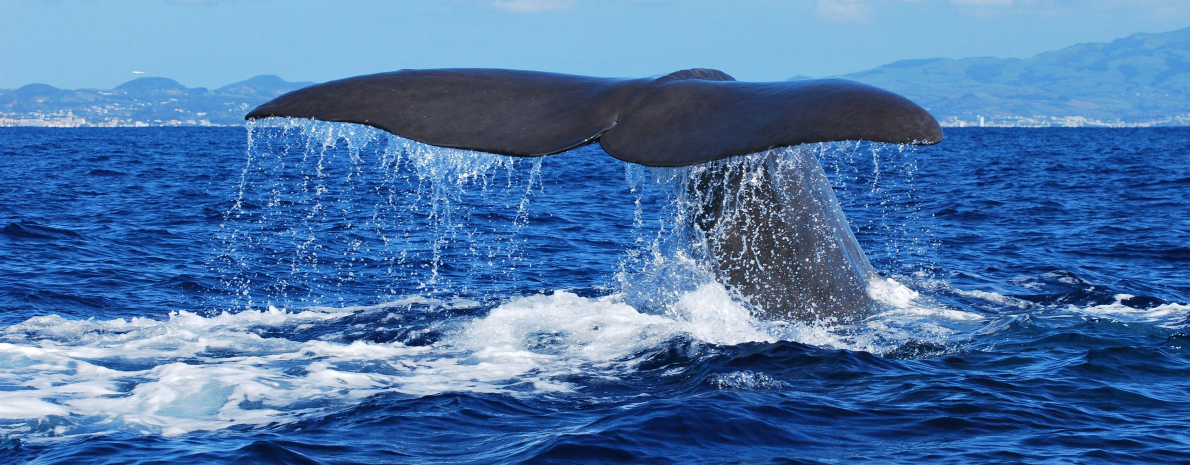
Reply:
x=67, y=119
x=141, y=102
x=1057, y=122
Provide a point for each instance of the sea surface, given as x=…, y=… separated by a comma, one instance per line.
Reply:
x=301, y=292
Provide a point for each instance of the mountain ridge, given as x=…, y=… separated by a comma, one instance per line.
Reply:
x=1140, y=79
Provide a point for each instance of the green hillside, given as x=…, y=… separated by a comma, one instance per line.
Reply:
x=151, y=101
x=1143, y=78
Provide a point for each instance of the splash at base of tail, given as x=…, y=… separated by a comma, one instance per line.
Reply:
x=778, y=237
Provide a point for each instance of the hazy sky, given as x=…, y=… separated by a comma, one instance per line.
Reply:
x=93, y=43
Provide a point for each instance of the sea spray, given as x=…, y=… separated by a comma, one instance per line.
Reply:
x=326, y=210
x=881, y=180
x=729, y=200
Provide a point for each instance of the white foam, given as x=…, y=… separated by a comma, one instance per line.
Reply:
x=745, y=380
x=184, y=373
x=921, y=280
x=16, y=406
x=1166, y=315
x=710, y=315
x=890, y=292
x=992, y=297
x=560, y=334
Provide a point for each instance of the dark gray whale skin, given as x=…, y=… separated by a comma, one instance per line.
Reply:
x=785, y=247
x=683, y=118
x=779, y=239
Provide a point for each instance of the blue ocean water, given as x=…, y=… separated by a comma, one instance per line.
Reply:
x=324, y=293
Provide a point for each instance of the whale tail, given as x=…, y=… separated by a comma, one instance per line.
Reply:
x=683, y=118
x=786, y=247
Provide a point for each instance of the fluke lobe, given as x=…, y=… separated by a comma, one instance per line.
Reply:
x=786, y=248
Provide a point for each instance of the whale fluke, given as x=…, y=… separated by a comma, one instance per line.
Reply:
x=683, y=118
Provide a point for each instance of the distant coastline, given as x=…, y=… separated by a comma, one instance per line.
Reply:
x=1142, y=80
x=69, y=120
x=142, y=102
x=1060, y=122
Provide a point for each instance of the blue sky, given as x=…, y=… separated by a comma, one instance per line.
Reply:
x=92, y=43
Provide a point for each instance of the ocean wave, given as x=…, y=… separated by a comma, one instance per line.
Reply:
x=189, y=372
x=33, y=230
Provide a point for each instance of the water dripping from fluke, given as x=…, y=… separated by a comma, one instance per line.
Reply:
x=766, y=228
